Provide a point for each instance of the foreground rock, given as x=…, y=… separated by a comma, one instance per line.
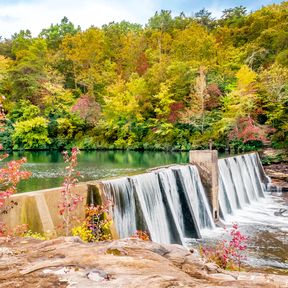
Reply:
x=277, y=167
x=67, y=262
x=279, y=175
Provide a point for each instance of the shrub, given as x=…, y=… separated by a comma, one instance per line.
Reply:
x=227, y=254
x=10, y=175
x=70, y=198
x=96, y=224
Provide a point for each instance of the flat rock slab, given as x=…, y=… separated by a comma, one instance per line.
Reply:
x=68, y=262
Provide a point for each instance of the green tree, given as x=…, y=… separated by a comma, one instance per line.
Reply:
x=274, y=96
x=28, y=71
x=239, y=103
x=31, y=134
x=55, y=33
x=204, y=18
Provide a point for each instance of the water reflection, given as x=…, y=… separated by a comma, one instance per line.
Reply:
x=48, y=166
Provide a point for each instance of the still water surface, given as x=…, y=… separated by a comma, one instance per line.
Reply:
x=47, y=167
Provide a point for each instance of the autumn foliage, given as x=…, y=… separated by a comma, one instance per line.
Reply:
x=70, y=198
x=227, y=254
x=10, y=175
x=173, y=84
x=247, y=130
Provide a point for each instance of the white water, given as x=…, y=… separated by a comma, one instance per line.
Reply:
x=120, y=192
x=195, y=194
x=148, y=191
x=245, y=198
x=241, y=183
x=169, y=203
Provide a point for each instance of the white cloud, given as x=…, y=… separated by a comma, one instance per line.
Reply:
x=36, y=15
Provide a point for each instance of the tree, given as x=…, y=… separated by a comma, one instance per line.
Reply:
x=164, y=101
x=23, y=110
x=86, y=51
x=88, y=109
x=194, y=45
x=28, y=71
x=203, y=17
x=162, y=21
x=55, y=33
x=274, y=96
x=234, y=16
x=10, y=175
x=31, y=134
x=122, y=101
x=196, y=109
x=239, y=103
x=160, y=27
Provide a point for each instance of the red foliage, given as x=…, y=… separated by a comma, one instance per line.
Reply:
x=17, y=231
x=142, y=64
x=175, y=108
x=228, y=254
x=87, y=108
x=10, y=174
x=141, y=235
x=246, y=130
x=97, y=217
x=70, y=198
x=213, y=93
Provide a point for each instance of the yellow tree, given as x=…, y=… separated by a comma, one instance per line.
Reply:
x=239, y=103
x=86, y=51
x=194, y=45
x=198, y=95
x=122, y=101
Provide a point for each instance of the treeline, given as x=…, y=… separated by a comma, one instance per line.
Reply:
x=177, y=83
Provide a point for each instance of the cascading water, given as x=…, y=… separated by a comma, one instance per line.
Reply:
x=169, y=203
x=247, y=197
x=240, y=179
x=125, y=209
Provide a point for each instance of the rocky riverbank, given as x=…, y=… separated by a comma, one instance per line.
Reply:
x=279, y=174
x=68, y=262
x=276, y=167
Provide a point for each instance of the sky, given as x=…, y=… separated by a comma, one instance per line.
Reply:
x=38, y=14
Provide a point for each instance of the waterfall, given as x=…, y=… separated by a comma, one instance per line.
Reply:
x=120, y=193
x=241, y=182
x=169, y=203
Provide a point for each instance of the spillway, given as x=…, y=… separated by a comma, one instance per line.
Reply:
x=169, y=203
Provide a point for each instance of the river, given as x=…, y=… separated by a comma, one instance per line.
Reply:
x=48, y=167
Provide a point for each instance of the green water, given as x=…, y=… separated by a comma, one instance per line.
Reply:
x=47, y=167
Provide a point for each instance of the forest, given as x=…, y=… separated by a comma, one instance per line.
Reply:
x=177, y=83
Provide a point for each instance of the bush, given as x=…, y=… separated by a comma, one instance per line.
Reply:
x=31, y=134
x=96, y=224
x=227, y=254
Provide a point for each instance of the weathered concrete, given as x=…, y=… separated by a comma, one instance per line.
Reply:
x=39, y=209
x=207, y=164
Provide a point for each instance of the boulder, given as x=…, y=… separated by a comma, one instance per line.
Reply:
x=68, y=262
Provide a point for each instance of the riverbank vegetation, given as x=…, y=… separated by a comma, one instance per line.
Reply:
x=176, y=83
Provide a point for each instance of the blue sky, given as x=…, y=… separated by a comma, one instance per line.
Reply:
x=38, y=14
